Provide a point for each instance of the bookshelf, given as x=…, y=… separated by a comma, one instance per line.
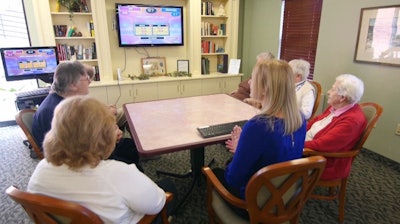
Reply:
x=74, y=34
x=218, y=34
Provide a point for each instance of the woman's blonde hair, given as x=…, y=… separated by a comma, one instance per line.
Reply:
x=82, y=133
x=273, y=84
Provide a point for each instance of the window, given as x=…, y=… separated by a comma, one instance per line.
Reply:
x=13, y=33
x=300, y=30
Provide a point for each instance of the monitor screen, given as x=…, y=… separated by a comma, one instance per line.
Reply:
x=149, y=25
x=29, y=63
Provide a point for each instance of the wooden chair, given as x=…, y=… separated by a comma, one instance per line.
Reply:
x=318, y=95
x=24, y=119
x=337, y=187
x=44, y=209
x=275, y=194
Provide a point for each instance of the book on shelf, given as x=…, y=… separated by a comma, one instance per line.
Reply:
x=207, y=8
x=222, y=27
x=60, y=30
x=222, y=63
x=96, y=73
x=205, y=66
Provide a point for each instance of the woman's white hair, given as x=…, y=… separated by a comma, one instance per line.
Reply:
x=350, y=86
x=300, y=66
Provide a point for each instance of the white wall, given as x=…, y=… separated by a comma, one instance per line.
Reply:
x=335, y=52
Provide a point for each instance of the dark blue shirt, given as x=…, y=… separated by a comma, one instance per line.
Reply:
x=43, y=117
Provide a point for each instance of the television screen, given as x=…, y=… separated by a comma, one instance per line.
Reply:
x=29, y=63
x=149, y=25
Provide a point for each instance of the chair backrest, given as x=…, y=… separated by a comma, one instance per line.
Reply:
x=318, y=94
x=24, y=119
x=277, y=193
x=372, y=112
x=48, y=210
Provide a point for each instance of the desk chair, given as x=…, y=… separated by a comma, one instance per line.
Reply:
x=24, y=119
x=275, y=194
x=337, y=187
x=44, y=209
x=318, y=95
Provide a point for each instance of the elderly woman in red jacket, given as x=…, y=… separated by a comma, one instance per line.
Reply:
x=340, y=126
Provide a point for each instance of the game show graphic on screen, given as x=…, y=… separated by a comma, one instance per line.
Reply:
x=29, y=62
x=148, y=25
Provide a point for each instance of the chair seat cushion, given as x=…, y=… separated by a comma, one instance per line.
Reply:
x=224, y=213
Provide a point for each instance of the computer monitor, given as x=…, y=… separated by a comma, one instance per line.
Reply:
x=22, y=63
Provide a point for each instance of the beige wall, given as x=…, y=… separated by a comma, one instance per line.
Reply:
x=335, y=52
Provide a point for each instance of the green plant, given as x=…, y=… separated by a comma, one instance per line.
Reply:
x=140, y=77
x=74, y=6
x=179, y=74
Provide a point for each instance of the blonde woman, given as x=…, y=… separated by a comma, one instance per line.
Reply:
x=82, y=136
x=275, y=135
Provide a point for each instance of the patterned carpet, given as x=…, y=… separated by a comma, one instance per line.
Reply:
x=372, y=194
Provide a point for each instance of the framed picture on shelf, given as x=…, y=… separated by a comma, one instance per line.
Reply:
x=154, y=66
x=183, y=66
x=378, y=39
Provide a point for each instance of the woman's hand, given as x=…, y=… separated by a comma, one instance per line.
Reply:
x=231, y=144
x=253, y=102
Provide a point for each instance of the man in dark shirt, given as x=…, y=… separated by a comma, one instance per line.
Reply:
x=71, y=79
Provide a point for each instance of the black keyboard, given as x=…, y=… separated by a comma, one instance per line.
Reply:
x=35, y=92
x=219, y=129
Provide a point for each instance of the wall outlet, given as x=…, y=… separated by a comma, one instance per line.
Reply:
x=398, y=129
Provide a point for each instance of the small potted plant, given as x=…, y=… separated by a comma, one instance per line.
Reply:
x=74, y=6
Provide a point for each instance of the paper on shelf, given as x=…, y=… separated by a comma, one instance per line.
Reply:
x=234, y=65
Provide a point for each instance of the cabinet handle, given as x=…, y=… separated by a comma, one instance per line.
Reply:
x=183, y=88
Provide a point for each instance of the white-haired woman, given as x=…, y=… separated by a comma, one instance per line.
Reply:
x=305, y=92
x=340, y=126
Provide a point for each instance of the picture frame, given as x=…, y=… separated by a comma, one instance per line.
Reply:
x=154, y=66
x=182, y=66
x=378, y=39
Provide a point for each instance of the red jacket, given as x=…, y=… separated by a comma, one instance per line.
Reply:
x=342, y=134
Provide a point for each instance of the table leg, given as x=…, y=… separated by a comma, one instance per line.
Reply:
x=196, y=162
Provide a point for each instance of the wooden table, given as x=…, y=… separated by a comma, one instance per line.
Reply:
x=166, y=126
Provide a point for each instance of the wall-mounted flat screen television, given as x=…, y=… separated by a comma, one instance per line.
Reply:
x=140, y=25
x=29, y=63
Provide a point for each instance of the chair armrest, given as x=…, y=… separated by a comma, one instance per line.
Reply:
x=213, y=182
x=347, y=154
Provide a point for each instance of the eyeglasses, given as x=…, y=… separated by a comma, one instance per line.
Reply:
x=87, y=78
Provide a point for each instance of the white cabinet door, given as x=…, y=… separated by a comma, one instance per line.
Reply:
x=145, y=92
x=230, y=84
x=190, y=88
x=176, y=89
x=168, y=90
x=119, y=95
x=220, y=85
x=99, y=93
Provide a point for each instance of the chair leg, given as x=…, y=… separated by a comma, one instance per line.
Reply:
x=342, y=197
